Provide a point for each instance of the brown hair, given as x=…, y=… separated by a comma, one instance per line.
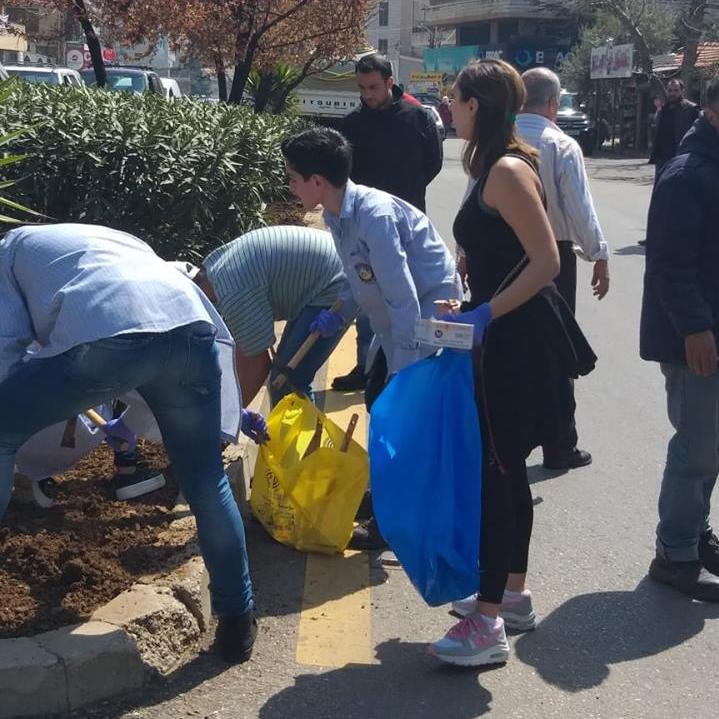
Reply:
x=499, y=90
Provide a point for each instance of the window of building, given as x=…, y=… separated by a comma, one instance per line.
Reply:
x=383, y=13
x=474, y=34
x=382, y=45
x=508, y=30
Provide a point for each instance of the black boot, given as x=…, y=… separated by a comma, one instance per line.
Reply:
x=366, y=537
x=235, y=637
x=352, y=382
x=689, y=578
x=709, y=551
x=571, y=459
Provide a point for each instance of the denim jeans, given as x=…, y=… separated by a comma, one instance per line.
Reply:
x=295, y=333
x=692, y=462
x=178, y=375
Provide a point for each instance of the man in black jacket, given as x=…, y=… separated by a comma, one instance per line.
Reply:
x=673, y=121
x=395, y=148
x=679, y=329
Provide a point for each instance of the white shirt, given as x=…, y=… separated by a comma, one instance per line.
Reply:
x=569, y=202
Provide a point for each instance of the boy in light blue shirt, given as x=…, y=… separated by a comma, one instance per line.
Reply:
x=396, y=263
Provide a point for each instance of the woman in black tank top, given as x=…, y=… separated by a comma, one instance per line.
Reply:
x=528, y=346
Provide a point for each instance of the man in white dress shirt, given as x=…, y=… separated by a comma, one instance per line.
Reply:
x=571, y=214
x=107, y=316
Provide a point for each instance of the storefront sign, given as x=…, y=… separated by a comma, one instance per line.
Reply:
x=611, y=61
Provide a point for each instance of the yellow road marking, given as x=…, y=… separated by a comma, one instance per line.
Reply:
x=335, y=625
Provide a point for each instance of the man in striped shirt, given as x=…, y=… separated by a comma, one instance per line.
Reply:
x=275, y=273
x=571, y=214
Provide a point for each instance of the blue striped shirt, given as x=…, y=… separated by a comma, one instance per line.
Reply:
x=272, y=274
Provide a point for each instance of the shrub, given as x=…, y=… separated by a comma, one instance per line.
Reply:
x=184, y=176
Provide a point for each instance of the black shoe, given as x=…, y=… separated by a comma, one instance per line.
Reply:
x=689, y=578
x=568, y=460
x=351, y=382
x=143, y=481
x=366, y=537
x=365, y=509
x=235, y=637
x=642, y=243
x=709, y=551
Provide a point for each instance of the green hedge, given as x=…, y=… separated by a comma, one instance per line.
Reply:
x=185, y=176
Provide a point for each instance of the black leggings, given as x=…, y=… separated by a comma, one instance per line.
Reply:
x=507, y=516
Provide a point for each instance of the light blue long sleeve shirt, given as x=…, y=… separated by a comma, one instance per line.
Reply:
x=67, y=284
x=396, y=264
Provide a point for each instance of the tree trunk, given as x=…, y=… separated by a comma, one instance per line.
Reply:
x=221, y=77
x=693, y=26
x=93, y=42
x=263, y=93
x=242, y=71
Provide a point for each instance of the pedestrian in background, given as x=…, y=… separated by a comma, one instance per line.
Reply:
x=679, y=329
x=527, y=346
x=395, y=148
x=571, y=214
x=396, y=263
x=673, y=120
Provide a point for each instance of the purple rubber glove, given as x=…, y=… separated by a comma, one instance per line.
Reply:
x=254, y=426
x=327, y=323
x=119, y=436
x=480, y=317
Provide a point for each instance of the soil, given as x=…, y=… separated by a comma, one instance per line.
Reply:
x=58, y=565
x=285, y=213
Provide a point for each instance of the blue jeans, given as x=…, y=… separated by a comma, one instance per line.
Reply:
x=692, y=463
x=178, y=375
x=295, y=333
x=364, y=339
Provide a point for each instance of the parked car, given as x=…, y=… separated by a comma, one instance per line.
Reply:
x=47, y=74
x=125, y=78
x=432, y=110
x=572, y=120
x=427, y=98
x=171, y=88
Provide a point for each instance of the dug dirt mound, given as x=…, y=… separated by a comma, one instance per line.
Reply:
x=58, y=565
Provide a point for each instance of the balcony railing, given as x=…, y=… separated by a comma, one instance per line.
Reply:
x=463, y=11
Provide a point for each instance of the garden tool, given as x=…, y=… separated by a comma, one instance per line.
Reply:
x=68, y=436
x=283, y=377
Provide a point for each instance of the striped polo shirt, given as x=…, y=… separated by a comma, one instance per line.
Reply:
x=272, y=274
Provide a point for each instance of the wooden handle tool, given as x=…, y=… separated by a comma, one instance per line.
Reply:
x=350, y=431
x=305, y=347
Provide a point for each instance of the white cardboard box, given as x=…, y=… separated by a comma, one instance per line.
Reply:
x=445, y=334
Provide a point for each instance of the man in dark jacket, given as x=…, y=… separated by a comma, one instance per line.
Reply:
x=679, y=329
x=395, y=148
x=673, y=121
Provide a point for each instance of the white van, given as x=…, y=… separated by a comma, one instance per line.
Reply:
x=47, y=74
x=172, y=89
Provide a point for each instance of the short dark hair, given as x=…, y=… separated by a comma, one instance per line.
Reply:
x=678, y=81
x=712, y=94
x=319, y=151
x=374, y=62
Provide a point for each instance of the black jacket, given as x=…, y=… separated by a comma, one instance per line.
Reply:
x=672, y=124
x=396, y=149
x=681, y=279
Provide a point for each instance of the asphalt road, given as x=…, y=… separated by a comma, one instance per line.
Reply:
x=610, y=644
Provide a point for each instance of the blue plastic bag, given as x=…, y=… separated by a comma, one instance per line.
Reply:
x=425, y=452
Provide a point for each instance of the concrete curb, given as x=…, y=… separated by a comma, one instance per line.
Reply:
x=149, y=630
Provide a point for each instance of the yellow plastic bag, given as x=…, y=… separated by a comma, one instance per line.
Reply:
x=308, y=499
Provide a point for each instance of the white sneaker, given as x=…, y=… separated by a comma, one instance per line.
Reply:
x=517, y=612
x=27, y=491
x=472, y=643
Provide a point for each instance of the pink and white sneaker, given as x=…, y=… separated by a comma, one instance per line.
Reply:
x=516, y=610
x=472, y=643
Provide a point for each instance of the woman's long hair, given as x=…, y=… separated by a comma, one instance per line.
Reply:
x=500, y=93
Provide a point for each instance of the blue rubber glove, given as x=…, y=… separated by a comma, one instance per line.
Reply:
x=327, y=323
x=480, y=317
x=254, y=426
x=119, y=436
